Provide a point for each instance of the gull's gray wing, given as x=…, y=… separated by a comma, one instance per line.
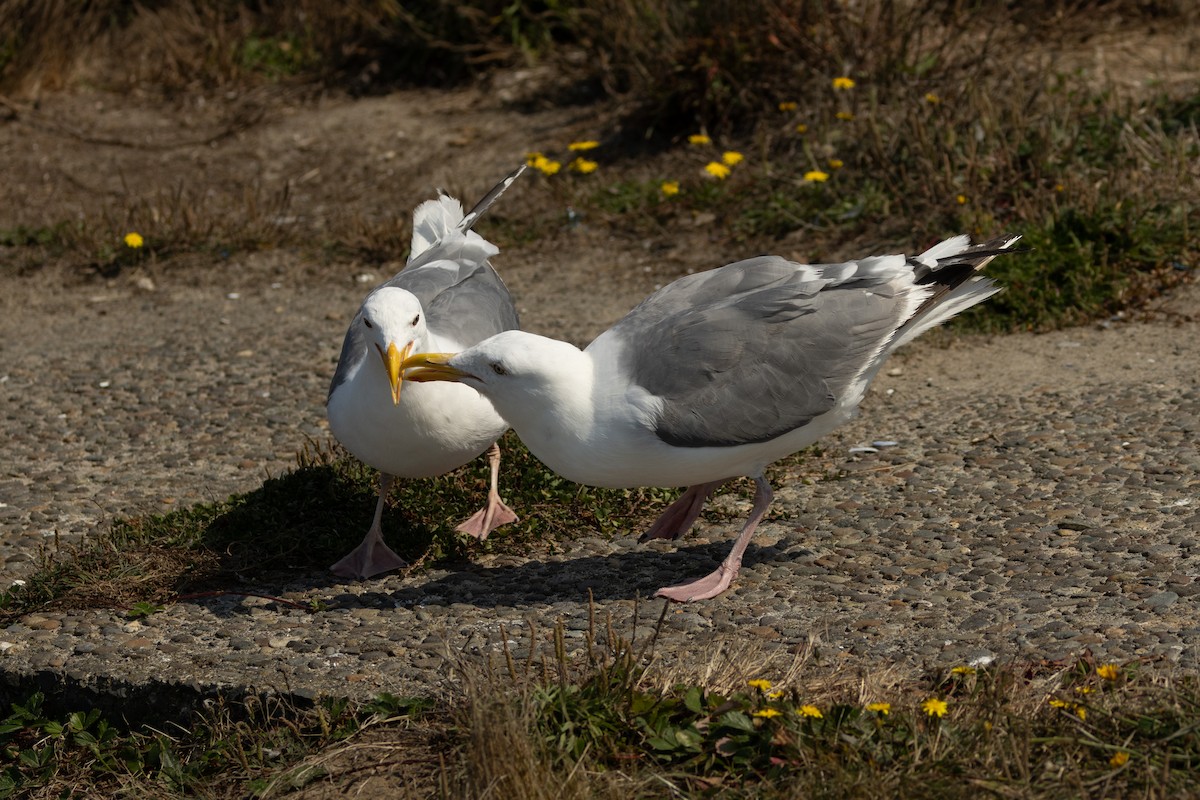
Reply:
x=755, y=349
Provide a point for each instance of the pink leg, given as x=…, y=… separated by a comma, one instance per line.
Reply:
x=681, y=515
x=373, y=556
x=713, y=584
x=495, y=513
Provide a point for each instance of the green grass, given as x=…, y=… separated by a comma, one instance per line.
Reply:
x=617, y=724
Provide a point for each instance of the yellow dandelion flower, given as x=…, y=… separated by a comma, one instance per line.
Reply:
x=545, y=165
x=699, y=138
x=1081, y=712
x=1110, y=672
x=731, y=158
x=787, y=105
x=843, y=82
x=961, y=199
x=1118, y=759
x=880, y=708
x=810, y=711
x=1085, y=689
x=836, y=163
x=801, y=128
x=962, y=670
x=759, y=683
x=768, y=713
x=932, y=98
x=1058, y=703
x=588, y=145
x=816, y=176
x=531, y=158
x=717, y=170
x=583, y=165
x=774, y=695
x=844, y=115
x=670, y=188
x=934, y=707
x=134, y=239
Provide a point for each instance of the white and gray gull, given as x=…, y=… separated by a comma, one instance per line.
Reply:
x=446, y=297
x=717, y=375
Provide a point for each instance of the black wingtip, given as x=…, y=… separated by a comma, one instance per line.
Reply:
x=483, y=205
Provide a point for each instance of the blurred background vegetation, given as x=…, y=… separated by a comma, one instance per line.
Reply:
x=964, y=115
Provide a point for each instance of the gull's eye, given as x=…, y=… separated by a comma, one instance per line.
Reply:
x=499, y=369
x=416, y=319
x=367, y=322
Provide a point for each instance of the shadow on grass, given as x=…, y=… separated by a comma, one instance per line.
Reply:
x=292, y=528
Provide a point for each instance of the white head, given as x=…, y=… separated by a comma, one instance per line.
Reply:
x=392, y=323
x=523, y=374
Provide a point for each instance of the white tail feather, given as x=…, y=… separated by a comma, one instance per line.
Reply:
x=433, y=221
x=968, y=294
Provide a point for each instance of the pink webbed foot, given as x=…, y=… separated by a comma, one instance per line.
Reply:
x=706, y=588
x=370, y=558
x=718, y=581
x=495, y=513
x=373, y=556
x=487, y=519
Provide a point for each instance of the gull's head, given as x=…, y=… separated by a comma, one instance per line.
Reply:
x=392, y=323
x=510, y=367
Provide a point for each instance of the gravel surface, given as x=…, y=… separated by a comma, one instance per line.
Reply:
x=1041, y=500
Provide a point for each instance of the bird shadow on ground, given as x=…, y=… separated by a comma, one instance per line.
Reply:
x=624, y=575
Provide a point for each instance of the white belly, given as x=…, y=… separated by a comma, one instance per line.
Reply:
x=437, y=427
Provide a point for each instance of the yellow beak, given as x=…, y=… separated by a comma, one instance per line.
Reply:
x=393, y=360
x=424, y=367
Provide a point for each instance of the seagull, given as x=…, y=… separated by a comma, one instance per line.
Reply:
x=717, y=375
x=446, y=297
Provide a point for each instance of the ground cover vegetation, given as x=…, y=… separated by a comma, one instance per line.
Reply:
x=849, y=125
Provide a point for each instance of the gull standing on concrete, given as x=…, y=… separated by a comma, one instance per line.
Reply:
x=446, y=297
x=717, y=375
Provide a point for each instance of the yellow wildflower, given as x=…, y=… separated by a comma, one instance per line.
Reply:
x=731, y=158
x=1081, y=712
x=134, y=240
x=1085, y=689
x=932, y=98
x=1118, y=759
x=801, y=128
x=787, y=105
x=844, y=115
x=880, y=708
x=717, y=170
x=588, y=145
x=810, y=711
x=1109, y=672
x=532, y=157
x=842, y=82
x=961, y=199
x=962, y=670
x=1057, y=703
x=546, y=166
x=670, y=188
x=1058, y=187
x=816, y=176
x=934, y=707
x=768, y=712
x=699, y=138
x=836, y=163
x=583, y=165
x=759, y=683
x=774, y=695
